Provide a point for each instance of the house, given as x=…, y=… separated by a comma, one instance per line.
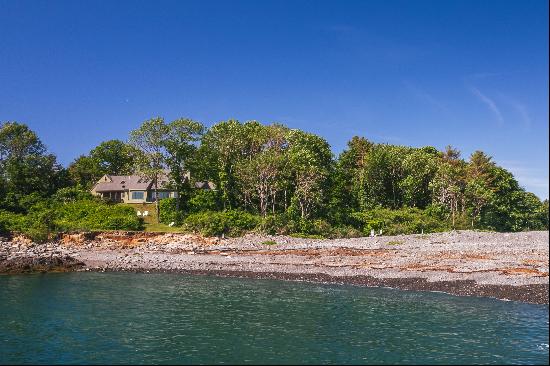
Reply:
x=136, y=189
x=210, y=186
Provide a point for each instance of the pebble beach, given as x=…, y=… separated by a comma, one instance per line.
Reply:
x=508, y=266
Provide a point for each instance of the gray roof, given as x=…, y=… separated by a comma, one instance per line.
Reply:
x=122, y=183
x=205, y=185
x=119, y=183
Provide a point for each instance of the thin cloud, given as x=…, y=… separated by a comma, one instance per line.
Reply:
x=489, y=103
x=521, y=110
x=424, y=96
x=533, y=179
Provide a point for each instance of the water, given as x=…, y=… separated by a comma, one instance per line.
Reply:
x=168, y=318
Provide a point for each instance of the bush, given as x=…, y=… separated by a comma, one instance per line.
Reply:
x=71, y=194
x=38, y=224
x=169, y=211
x=203, y=200
x=213, y=223
x=345, y=231
x=96, y=215
x=9, y=222
x=279, y=224
x=44, y=218
x=283, y=224
x=402, y=221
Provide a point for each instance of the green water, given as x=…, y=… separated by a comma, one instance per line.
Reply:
x=169, y=318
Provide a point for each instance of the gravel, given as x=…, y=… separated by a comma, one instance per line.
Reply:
x=510, y=266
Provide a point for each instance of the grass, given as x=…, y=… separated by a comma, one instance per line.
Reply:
x=269, y=242
x=160, y=227
x=306, y=236
x=150, y=221
x=395, y=242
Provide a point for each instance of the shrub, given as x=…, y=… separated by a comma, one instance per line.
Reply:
x=96, y=215
x=39, y=223
x=71, y=194
x=203, y=200
x=230, y=223
x=283, y=224
x=169, y=211
x=279, y=224
x=345, y=231
x=402, y=221
x=9, y=222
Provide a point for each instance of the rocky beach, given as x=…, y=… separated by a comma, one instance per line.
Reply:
x=510, y=266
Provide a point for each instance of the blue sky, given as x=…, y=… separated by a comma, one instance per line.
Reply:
x=473, y=74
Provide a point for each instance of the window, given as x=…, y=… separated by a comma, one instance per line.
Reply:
x=137, y=195
x=162, y=195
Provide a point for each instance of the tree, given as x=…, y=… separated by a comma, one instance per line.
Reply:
x=310, y=160
x=449, y=183
x=112, y=157
x=17, y=141
x=180, y=144
x=261, y=172
x=25, y=165
x=419, y=169
x=115, y=157
x=381, y=174
x=84, y=171
x=479, y=189
x=349, y=180
x=222, y=147
x=511, y=208
x=150, y=138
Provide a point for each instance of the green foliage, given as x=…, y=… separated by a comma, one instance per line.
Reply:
x=279, y=224
x=402, y=221
x=9, y=222
x=269, y=242
x=180, y=144
x=112, y=157
x=39, y=224
x=419, y=169
x=222, y=146
x=96, y=215
x=310, y=160
x=25, y=165
x=169, y=211
x=203, y=200
x=45, y=218
x=71, y=194
x=215, y=223
x=268, y=178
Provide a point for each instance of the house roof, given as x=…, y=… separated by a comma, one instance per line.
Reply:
x=110, y=183
x=120, y=183
x=205, y=185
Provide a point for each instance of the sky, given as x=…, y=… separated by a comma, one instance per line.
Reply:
x=471, y=74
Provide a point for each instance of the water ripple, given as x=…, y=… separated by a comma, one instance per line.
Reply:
x=166, y=318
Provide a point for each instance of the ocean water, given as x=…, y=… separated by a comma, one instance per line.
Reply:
x=89, y=318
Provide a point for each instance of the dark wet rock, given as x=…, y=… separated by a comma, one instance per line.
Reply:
x=39, y=264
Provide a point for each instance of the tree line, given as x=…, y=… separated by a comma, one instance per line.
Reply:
x=284, y=177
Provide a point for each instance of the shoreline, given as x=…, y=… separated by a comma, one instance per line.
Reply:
x=506, y=266
x=530, y=294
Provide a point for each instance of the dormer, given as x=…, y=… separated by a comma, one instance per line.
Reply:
x=106, y=178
